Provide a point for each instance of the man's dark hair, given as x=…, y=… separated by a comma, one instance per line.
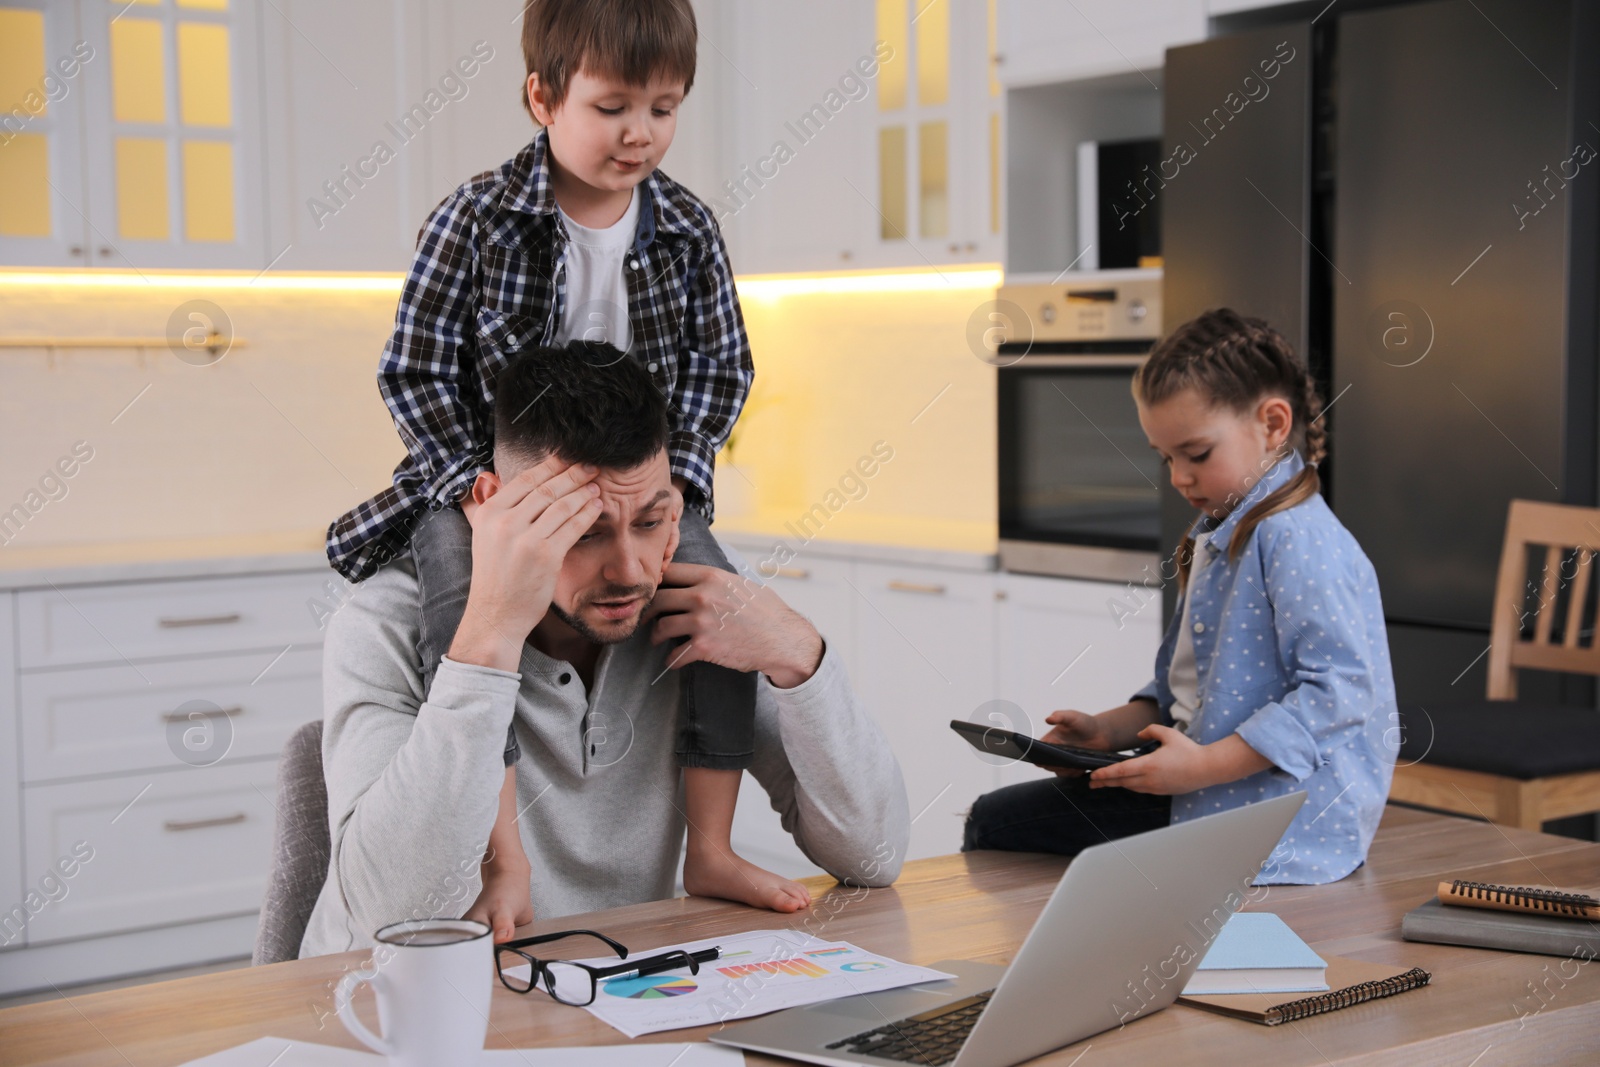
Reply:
x=585, y=403
x=629, y=40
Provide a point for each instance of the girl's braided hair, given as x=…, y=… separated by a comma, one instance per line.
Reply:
x=1234, y=362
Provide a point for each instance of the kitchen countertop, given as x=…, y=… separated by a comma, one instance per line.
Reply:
x=916, y=542
x=130, y=561
x=909, y=542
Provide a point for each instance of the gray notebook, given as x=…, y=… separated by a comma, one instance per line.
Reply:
x=1482, y=928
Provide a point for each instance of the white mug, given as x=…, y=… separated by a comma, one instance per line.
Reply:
x=433, y=979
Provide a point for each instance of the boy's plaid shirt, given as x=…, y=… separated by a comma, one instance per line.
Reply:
x=488, y=280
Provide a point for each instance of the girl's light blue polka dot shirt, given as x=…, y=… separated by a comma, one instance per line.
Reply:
x=1292, y=656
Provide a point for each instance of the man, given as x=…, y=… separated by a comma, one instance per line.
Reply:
x=575, y=624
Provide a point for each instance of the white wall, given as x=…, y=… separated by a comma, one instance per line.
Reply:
x=281, y=435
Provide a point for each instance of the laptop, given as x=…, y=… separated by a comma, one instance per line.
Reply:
x=1120, y=936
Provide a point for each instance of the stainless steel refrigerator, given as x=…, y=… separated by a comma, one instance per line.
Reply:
x=1407, y=197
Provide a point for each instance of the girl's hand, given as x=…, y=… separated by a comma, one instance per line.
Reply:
x=1078, y=730
x=1178, y=766
x=1182, y=766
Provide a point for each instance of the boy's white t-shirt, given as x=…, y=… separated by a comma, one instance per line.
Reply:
x=597, y=292
x=1183, y=675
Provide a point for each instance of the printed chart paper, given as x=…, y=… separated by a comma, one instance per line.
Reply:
x=758, y=972
x=281, y=1052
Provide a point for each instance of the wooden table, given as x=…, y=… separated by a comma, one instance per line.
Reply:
x=1480, y=1011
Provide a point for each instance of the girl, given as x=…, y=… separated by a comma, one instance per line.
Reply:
x=1273, y=675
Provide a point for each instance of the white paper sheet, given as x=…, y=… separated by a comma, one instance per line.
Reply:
x=759, y=972
x=281, y=1052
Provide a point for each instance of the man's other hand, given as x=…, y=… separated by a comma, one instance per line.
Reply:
x=734, y=622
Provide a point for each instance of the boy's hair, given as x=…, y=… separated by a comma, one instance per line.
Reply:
x=585, y=403
x=630, y=40
x=1234, y=362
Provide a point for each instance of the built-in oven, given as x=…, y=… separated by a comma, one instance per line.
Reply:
x=1080, y=487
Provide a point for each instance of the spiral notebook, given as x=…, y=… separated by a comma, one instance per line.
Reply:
x=1351, y=981
x=1527, y=900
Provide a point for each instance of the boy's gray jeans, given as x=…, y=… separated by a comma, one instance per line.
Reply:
x=716, y=727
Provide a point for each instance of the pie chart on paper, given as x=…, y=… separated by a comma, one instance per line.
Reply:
x=650, y=987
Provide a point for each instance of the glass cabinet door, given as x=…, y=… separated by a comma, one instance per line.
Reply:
x=173, y=168
x=938, y=145
x=43, y=60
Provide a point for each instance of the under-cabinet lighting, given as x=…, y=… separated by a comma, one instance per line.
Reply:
x=770, y=286
x=152, y=279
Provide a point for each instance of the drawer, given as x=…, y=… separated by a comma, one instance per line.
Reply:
x=167, y=848
x=115, y=623
x=166, y=715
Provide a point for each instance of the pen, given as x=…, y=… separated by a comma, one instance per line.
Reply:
x=671, y=961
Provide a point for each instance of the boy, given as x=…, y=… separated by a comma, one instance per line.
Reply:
x=581, y=237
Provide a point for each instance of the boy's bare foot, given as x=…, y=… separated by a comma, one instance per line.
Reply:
x=504, y=902
x=712, y=872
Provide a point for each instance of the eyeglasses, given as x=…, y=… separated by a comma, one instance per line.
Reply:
x=577, y=984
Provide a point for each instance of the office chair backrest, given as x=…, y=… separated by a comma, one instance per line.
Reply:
x=1544, y=600
x=300, y=848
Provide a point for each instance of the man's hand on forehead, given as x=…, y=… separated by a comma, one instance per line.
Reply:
x=522, y=530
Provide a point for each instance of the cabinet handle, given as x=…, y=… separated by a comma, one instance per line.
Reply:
x=916, y=587
x=1000, y=594
x=186, y=716
x=797, y=573
x=175, y=623
x=176, y=826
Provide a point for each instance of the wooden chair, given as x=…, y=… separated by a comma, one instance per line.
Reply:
x=1515, y=762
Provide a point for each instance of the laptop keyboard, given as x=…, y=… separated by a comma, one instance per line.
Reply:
x=931, y=1037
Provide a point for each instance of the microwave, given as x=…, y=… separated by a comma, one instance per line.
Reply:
x=1079, y=485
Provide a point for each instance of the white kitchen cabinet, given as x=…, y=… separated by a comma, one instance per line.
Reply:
x=935, y=643
x=117, y=622
x=1046, y=41
x=864, y=136
x=170, y=847
x=138, y=140
x=121, y=717
x=42, y=220
x=1233, y=7
x=341, y=155
x=149, y=715
x=926, y=646
x=818, y=587
x=1063, y=643
x=11, y=883
x=366, y=142
x=244, y=135
x=937, y=144
x=798, y=189
x=481, y=122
